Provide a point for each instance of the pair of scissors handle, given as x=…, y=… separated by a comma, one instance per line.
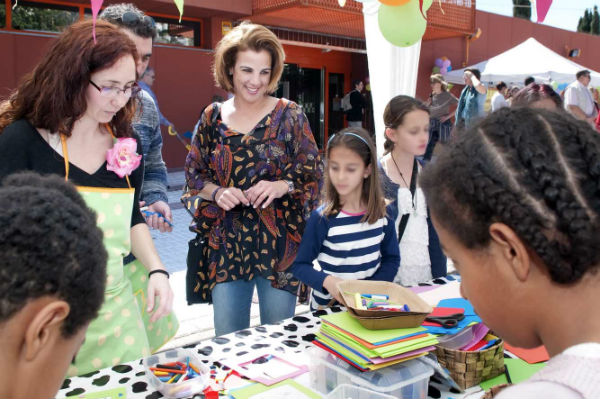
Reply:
x=449, y=321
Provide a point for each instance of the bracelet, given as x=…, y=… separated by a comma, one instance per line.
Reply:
x=214, y=194
x=161, y=271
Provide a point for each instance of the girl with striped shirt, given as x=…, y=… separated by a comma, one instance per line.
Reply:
x=350, y=237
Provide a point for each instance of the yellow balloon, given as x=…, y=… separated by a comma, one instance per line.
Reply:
x=402, y=26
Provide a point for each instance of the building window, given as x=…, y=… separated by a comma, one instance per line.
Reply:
x=43, y=17
x=184, y=33
x=2, y=14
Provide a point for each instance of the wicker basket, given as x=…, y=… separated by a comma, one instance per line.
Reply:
x=470, y=368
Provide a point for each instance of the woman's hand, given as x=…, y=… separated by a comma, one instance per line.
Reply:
x=229, y=197
x=330, y=284
x=158, y=286
x=264, y=192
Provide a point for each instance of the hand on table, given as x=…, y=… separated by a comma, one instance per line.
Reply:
x=330, y=284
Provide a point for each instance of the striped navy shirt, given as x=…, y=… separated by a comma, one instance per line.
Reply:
x=347, y=248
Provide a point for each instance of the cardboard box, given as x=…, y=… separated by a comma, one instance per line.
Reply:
x=382, y=319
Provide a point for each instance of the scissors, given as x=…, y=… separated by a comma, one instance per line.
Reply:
x=449, y=321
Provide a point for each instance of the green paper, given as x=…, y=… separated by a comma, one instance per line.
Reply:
x=286, y=388
x=519, y=371
x=116, y=393
x=348, y=323
x=384, y=351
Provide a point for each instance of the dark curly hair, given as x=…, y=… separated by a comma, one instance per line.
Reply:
x=50, y=246
x=536, y=92
x=536, y=171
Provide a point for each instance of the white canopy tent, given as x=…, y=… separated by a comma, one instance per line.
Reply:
x=530, y=58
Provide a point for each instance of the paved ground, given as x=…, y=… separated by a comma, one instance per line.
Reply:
x=197, y=320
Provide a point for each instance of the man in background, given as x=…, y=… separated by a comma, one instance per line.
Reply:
x=579, y=100
x=357, y=101
x=146, y=82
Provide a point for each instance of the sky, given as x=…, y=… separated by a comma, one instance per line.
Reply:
x=563, y=14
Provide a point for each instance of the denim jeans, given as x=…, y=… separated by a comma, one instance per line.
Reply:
x=232, y=301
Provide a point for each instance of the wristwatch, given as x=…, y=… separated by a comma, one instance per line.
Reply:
x=290, y=185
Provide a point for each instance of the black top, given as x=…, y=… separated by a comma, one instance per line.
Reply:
x=358, y=104
x=23, y=148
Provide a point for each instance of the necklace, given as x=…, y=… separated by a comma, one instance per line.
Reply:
x=413, y=194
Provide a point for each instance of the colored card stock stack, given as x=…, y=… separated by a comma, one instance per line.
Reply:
x=343, y=336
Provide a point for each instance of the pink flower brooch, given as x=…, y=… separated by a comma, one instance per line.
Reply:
x=122, y=158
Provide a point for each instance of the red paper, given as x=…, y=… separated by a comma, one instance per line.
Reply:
x=441, y=312
x=531, y=356
x=478, y=345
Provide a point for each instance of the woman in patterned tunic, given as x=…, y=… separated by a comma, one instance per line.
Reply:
x=256, y=164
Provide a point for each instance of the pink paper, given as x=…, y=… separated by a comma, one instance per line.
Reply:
x=378, y=360
x=542, y=7
x=479, y=331
x=96, y=6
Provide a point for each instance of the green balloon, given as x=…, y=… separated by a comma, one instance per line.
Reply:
x=436, y=69
x=403, y=25
x=427, y=4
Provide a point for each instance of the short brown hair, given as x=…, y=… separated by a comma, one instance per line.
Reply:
x=52, y=96
x=247, y=36
x=359, y=141
x=439, y=78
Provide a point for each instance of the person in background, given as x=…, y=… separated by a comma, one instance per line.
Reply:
x=519, y=215
x=255, y=163
x=439, y=102
x=350, y=235
x=357, y=100
x=142, y=30
x=471, y=100
x=538, y=96
x=71, y=116
x=52, y=282
x=406, y=129
x=528, y=80
x=499, y=98
x=146, y=83
x=579, y=100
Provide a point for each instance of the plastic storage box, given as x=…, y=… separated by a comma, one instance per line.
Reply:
x=182, y=389
x=406, y=380
x=346, y=391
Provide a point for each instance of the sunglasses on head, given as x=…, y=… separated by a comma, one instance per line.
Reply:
x=132, y=18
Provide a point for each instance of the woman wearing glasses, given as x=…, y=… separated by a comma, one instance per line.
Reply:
x=255, y=162
x=71, y=116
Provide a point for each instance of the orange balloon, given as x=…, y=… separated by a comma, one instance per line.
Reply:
x=394, y=2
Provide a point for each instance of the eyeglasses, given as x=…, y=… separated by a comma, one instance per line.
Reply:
x=132, y=18
x=113, y=92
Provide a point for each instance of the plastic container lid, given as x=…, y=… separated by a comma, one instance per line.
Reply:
x=346, y=391
x=386, y=379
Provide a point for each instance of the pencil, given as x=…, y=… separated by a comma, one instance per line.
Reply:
x=507, y=374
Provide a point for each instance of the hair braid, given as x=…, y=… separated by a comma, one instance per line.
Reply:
x=537, y=172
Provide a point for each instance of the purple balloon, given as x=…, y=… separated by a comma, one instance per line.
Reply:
x=443, y=70
x=439, y=62
x=446, y=63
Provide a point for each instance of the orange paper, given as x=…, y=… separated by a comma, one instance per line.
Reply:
x=531, y=356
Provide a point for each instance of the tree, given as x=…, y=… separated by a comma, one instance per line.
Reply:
x=585, y=22
x=42, y=19
x=522, y=9
x=595, y=25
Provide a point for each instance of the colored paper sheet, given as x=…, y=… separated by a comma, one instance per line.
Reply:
x=450, y=290
x=334, y=353
x=348, y=323
x=96, y=6
x=370, y=345
x=441, y=312
x=531, y=356
x=518, y=370
x=384, y=351
x=470, y=316
x=283, y=389
x=345, y=354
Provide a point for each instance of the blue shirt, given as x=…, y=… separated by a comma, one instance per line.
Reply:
x=347, y=248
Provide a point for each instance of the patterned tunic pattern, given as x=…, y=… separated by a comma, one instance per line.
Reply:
x=245, y=242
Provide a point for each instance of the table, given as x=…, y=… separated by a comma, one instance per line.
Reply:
x=289, y=337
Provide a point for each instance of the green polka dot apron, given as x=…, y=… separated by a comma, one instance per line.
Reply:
x=118, y=334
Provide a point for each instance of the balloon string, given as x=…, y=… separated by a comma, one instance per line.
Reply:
x=441, y=9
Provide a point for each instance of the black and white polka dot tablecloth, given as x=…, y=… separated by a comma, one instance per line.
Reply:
x=292, y=335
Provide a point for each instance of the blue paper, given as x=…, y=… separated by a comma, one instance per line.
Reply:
x=470, y=316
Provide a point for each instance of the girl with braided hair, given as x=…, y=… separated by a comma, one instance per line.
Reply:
x=520, y=217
